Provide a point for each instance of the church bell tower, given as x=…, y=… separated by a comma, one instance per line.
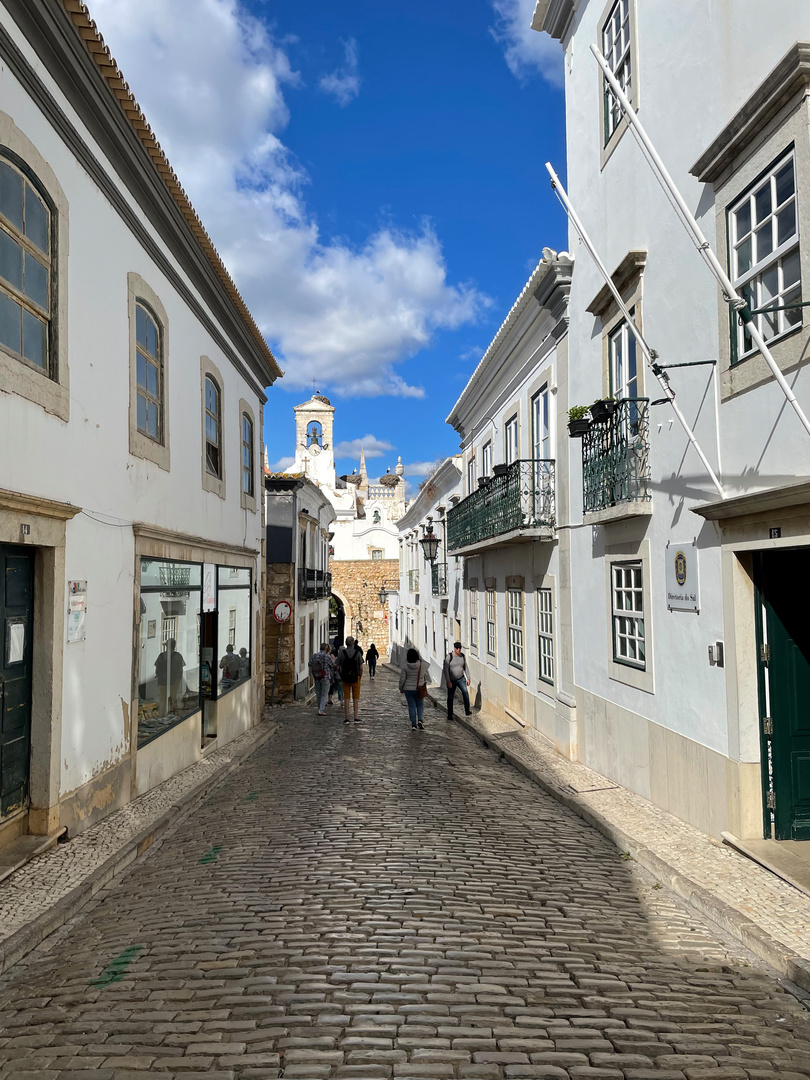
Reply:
x=314, y=449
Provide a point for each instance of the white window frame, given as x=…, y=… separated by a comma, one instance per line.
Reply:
x=471, y=475
x=212, y=482
x=617, y=48
x=514, y=610
x=511, y=437
x=628, y=622
x=168, y=629
x=486, y=459
x=232, y=626
x=474, y=619
x=621, y=344
x=377, y=554
x=491, y=612
x=541, y=425
x=751, y=283
x=545, y=635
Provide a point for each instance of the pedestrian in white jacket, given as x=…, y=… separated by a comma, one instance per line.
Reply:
x=413, y=676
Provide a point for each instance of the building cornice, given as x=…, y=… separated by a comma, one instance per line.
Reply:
x=560, y=267
x=446, y=477
x=624, y=277
x=69, y=45
x=554, y=17
x=168, y=536
x=789, y=79
x=37, y=505
x=789, y=497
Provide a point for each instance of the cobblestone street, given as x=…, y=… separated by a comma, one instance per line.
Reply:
x=366, y=901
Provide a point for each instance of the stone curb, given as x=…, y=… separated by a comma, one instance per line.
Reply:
x=22, y=941
x=745, y=930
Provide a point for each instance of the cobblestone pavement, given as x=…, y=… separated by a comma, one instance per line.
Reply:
x=368, y=901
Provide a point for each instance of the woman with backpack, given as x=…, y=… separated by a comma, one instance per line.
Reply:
x=413, y=684
x=350, y=666
x=322, y=668
x=337, y=685
x=372, y=656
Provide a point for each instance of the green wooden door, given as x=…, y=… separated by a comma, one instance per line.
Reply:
x=783, y=582
x=16, y=649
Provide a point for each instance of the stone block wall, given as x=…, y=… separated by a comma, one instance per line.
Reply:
x=357, y=583
x=280, y=586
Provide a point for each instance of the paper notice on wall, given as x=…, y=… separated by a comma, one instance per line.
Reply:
x=77, y=611
x=209, y=596
x=15, y=637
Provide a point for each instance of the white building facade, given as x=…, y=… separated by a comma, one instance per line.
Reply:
x=511, y=418
x=427, y=612
x=132, y=384
x=690, y=653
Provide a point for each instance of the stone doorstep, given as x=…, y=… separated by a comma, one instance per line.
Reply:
x=695, y=892
x=25, y=848
x=788, y=859
x=27, y=937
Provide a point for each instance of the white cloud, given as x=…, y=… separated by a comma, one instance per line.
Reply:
x=282, y=464
x=344, y=83
x=211, y=81
x=373, y=447
x=526, y=51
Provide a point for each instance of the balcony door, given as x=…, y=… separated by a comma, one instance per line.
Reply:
x=541, y=453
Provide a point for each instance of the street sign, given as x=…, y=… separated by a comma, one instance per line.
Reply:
x=282, y=610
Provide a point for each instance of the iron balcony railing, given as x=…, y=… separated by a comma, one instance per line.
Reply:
x=522, y=497
x=616, y=457
x=313, y=584
x=438, y=579
x=413, y=581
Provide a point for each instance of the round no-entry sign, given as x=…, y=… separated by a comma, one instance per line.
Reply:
x=282, y=610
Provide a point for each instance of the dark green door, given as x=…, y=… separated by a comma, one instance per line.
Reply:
x=16, y=650
x=783, y=584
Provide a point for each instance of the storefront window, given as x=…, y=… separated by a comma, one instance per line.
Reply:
x=169, y=666
x=233, y=626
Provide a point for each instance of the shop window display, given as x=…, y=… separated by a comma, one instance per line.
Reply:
x=169, y=666
x=234, y=629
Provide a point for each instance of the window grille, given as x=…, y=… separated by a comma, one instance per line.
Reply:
x=515, y=613
x=629, y=646
x=616, y=50
x=765, y=256
x=545, y=635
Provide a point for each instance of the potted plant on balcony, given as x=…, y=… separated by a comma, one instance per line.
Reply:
x=500, y=470
x=578, y=421
x=483, y=481
x=602, y=410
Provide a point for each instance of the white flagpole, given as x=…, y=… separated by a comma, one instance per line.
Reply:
x=730, y=294
x=648, y=353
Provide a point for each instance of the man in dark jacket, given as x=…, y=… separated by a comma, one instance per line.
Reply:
x=350, y=666
x=456, y=674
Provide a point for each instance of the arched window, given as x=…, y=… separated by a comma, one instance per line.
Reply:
x=149, y=373
x=213, y=428
x=314, y=434
x=25, y=269
x=247, y=455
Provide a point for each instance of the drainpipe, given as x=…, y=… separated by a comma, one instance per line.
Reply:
x=650, y=355
x=730, y=294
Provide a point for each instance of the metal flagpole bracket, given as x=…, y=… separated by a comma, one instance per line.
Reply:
x=730, y=294
x=650, y=355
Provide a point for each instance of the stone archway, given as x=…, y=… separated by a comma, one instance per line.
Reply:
x=345, y=616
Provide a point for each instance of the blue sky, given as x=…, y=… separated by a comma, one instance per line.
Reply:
x=372, y=174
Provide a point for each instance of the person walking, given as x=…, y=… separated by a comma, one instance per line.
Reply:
x=413, y=684
x=372, y=656
x=322, y=667
x=350, y=666
x=337, y=685
x=456, y=674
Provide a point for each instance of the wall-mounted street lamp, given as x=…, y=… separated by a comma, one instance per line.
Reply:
x=430, y=545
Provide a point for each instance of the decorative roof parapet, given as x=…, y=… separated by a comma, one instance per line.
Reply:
x=89, y=33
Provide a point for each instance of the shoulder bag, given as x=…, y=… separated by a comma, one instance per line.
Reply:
x=421, y=687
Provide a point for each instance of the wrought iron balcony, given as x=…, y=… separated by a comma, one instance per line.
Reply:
x=616, y=458
x=438, y=578
x=413, y=581
x=521, y=498
x=313, y=584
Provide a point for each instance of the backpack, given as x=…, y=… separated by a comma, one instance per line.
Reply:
x=350, y=667
x=317, y=668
